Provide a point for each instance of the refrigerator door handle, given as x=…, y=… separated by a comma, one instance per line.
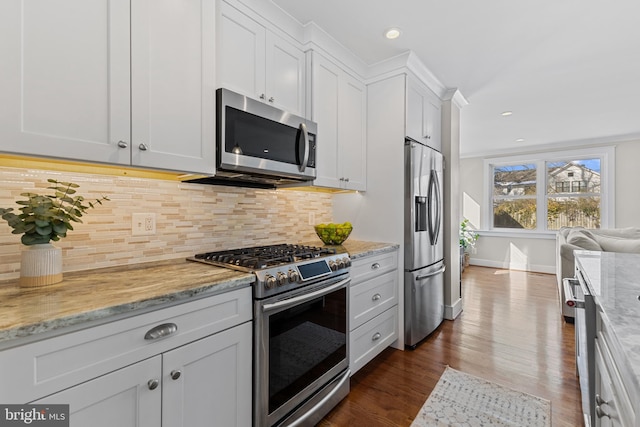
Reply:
x=434, y=223
x=426, y=276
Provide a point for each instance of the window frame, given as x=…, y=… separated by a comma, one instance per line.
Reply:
x=607, y=187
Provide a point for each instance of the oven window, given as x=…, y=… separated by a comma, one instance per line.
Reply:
x=305, y=342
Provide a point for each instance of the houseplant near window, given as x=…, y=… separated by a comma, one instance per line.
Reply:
x=45, y=218
x=468, y=240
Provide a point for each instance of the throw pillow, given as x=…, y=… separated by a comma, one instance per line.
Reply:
x=583, y=239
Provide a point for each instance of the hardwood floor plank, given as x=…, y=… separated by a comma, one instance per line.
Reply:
x=510, y=332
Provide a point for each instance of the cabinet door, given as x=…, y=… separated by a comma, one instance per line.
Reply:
x=122, y=398
x=65, y=78
x=240, y=53
x=352, y=153
x=173, y=84
x=285, y=75
x=423, y=116
x=325, y=112
x=208, y=382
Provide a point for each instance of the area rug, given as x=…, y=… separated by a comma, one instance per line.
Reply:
x=461, y=399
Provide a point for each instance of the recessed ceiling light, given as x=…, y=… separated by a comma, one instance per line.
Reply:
x=520, y=140
x=506, y=113
x=392, y=33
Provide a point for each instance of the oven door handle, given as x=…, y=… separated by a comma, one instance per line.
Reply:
x=306, y=297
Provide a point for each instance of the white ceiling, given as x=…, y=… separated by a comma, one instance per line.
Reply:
x=568, y=69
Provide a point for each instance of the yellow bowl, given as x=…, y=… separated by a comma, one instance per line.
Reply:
x=333, y=234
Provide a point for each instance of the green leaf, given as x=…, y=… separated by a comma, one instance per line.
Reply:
x=44, y=231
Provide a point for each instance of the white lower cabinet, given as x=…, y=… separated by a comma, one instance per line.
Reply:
x=373, y=307
x=614, y=400
x=121, y=398
x=197, y=371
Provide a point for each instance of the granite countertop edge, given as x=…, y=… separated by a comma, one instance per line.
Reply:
x=48, y=319
x=132, y=300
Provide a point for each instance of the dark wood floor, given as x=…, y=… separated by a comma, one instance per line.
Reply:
x=510, y=332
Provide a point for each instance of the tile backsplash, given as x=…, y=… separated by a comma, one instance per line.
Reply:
x=190, y=218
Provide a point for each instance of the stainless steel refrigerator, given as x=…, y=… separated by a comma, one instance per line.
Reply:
x=423, y=242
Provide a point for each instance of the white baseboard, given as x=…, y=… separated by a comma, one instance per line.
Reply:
x=549, y=269
x=454, y=310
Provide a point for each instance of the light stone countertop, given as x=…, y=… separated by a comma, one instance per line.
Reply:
x=94, y=295
x=358, y=248
x=614, y=280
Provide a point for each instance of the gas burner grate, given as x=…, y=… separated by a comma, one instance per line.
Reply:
x=260, y=257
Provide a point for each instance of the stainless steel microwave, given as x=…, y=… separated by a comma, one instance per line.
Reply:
x=258, y=145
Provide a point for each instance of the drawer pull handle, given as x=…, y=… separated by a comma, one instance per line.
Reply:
x=153, y=384
x=600, y=401
x=161, y=331
x=175, y=374
x=376, y=336
x=376, y=297
x=375, y=266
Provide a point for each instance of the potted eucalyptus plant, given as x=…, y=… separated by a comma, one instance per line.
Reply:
x=42, y=219
x=468, y=240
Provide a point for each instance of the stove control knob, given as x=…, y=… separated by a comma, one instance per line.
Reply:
x=269, y=282
x=347, y=261
x=294, y=276
x=340, y=263
x=333, y=266
x=282, y=278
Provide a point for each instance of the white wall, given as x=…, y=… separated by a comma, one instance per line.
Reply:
x=538, y=254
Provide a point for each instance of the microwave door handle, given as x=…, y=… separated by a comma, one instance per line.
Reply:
x=305, y=158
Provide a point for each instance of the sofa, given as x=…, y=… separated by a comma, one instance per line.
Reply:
x=570, y=239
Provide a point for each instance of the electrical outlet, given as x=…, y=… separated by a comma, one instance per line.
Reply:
x=312, y=218
x=143, y=224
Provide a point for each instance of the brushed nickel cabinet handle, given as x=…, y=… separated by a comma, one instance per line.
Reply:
x=143, y=147
x=153, y=384
x=175, y=374
x=376, y=297
x=376, y=336
x=375, y=266
x=123, y=144
x=161, y=331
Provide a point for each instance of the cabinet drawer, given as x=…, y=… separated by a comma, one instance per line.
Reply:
x=372, y=297
x=611, y=387
x=367, y=341
x=40, y=368
x=366, y=268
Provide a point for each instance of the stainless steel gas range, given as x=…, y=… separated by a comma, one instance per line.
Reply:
x=301, y=340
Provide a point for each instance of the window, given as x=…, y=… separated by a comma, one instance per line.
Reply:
x=534, y=194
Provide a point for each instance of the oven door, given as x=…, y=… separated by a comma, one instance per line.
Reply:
x=301, y=346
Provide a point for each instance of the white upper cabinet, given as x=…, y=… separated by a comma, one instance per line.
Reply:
x=423, y=114
x=111, y=81
x=338, y=106
x=257, y=62
x=173, y=84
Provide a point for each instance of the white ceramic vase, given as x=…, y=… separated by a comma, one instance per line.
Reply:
x=40, y=265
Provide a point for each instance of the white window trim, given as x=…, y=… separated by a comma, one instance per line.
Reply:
x=607, y=191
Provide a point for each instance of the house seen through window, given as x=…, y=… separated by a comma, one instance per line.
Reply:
x=544, y=195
